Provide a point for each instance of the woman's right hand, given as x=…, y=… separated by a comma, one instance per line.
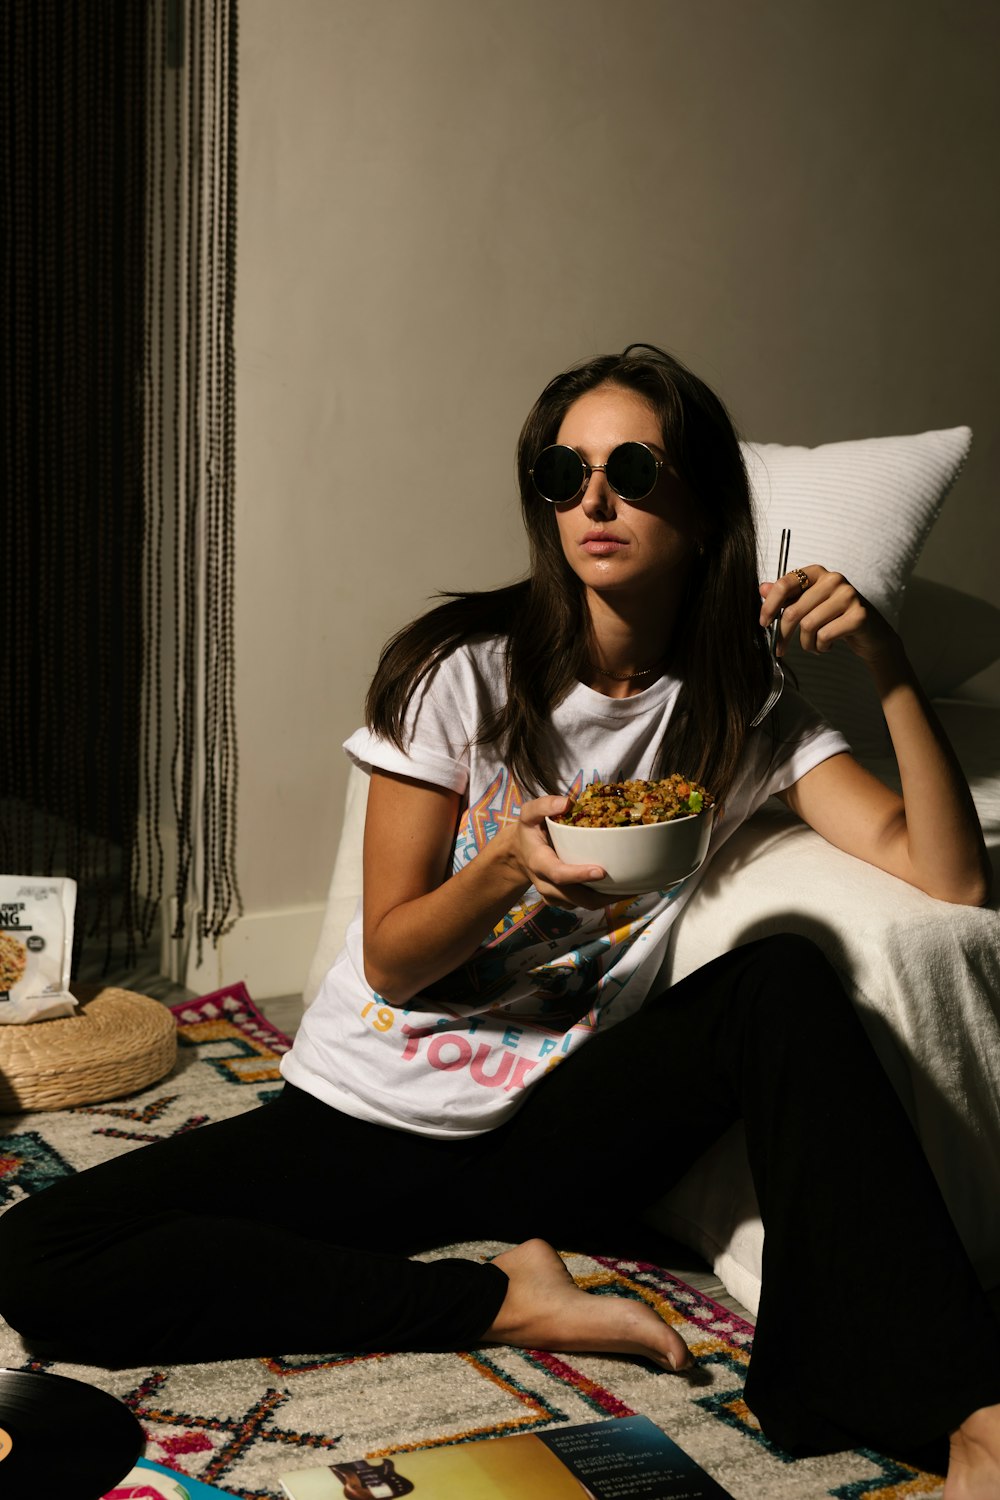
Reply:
x=558, y=883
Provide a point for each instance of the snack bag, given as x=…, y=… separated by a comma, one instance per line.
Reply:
x=36, y=945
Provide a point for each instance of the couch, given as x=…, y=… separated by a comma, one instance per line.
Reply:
x=924, y=975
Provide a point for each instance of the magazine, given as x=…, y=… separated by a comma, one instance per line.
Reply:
x=623, y=1458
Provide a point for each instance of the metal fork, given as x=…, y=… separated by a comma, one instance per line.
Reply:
x=778, y=675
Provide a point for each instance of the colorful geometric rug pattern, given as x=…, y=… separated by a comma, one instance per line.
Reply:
x=239, y=1424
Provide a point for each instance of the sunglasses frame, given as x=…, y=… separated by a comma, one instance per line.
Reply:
x=590, y=469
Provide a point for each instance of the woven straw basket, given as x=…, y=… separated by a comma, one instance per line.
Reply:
x=119, y=1042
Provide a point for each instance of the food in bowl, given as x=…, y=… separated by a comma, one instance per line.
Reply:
x=13, y=961
x=645, y=835
x=617, y=804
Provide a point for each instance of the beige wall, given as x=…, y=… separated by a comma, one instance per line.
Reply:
x=442, y=203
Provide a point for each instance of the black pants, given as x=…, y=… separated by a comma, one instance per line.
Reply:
x=336, y=1205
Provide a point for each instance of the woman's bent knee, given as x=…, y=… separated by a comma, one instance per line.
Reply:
x=796, y=996
x=788, y=952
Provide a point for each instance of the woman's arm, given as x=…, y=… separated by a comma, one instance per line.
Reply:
x=931, y=836
x=420, y=921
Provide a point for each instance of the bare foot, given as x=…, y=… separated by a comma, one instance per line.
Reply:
x=545, y=1309
x=974, y=1461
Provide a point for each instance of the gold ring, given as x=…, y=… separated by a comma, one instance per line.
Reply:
x=802, y=577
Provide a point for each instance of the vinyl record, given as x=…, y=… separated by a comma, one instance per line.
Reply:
x=59, y=1437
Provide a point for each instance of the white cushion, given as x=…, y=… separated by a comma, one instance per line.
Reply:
x=345, y=884
x=864, y=509
x=924, y=976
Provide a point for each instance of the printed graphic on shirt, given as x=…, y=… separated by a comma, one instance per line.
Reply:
x=544, y=981
x=524, y=989
x=500, y=803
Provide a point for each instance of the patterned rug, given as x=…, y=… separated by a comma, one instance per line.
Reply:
x=240, y=1424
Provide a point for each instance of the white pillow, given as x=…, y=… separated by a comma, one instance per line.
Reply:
x=863, y=509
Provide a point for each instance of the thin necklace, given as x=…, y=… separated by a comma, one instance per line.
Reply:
x=627, y=676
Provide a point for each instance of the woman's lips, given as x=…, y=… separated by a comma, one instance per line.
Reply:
x=601, y=543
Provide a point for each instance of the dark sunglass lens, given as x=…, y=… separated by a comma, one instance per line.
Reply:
x=632, y=471
x=558, y=474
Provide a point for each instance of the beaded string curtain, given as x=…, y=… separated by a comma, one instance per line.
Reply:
x=117, y=428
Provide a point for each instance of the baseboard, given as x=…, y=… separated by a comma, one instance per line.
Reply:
x=270, y=951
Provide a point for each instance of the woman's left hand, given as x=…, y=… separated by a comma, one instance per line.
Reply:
x=825, y=608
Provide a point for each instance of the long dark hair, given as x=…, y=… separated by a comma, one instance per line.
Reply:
x=719, y=650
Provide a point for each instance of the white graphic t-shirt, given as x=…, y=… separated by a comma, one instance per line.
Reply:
x=459, y=1058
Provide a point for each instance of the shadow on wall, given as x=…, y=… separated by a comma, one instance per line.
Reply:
x=950, y=636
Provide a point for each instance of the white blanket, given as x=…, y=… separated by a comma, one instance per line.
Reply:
x=925, y=977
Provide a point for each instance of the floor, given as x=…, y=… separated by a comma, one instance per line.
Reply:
x=284, y=1012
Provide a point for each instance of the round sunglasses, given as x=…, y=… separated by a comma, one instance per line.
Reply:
x=560, y=474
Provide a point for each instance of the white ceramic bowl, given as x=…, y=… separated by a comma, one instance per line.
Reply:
x=642, y=857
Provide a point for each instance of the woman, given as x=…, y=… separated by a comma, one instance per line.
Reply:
x=489, y=1056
